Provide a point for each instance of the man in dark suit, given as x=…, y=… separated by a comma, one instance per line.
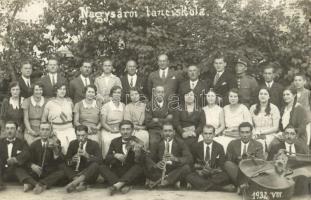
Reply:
x=83, y=158
x=223, y=80
x=77, y=85
x=157, y=111
x=46, y=161
x=132, y=80
x=199, y=87
x=124, y=160
x=169, y=162
x=14, y=154
x=241, y=149
x=165, y=77
x=25, y=82
x=209, y=159
x=275, y=89
x=52, y=78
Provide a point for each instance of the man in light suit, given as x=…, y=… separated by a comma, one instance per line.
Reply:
x=241, y=149
x=165, y=77
x=223, y=80
x=209, y=159
x=199, y=87
x=52, y=78
x=25, y=82
x=132, y=80
x=77, y=85
x=275, y=89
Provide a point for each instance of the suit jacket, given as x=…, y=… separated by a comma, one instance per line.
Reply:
x=25, y=90
x=225, y=82
x=36, y=156
x=76, y=89
x=276, y=93
x=217, y=154
x=234, y=150
x=179, y=150
x=153, y=110
x=140, y=85
x=47, y=84
x=199, y=91
x=299, y=147
x=92, y=148
x=20, y=151
x=116, y=147
x=170, y=83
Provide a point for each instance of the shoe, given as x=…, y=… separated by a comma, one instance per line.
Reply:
x=27, y=187
x=70, y=188
x=112, y=190
x=39, y=189
x=125, y=189
x=228, y=188
x=189, y=186
x=81, y=187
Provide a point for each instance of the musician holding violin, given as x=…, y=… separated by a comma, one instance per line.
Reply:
x=208, y=169
x=46, y=160
x=82, y=159
x=124, y=160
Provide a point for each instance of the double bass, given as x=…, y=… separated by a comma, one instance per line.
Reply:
x=267, y=180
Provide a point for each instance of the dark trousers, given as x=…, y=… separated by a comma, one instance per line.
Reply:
x=174, y=173
x=234, y=172
x=90, y=172
x=127, y=174
x=213, y=182
x=49, y=177
x=14, y=173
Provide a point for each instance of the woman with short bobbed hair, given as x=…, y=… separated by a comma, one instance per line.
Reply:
x=87, y=112
x=112, y=113
x=58, y=111
x=33, y=110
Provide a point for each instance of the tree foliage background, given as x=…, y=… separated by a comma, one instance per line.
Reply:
x=257, y=31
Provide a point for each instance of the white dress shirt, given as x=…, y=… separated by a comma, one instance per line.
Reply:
x=10, y=147
x=170, y=144
x=287, y=146
x=134, y=79
x=27, y=81
x=161, y=72
x=53, y=76
x=242, y=147
x=85, y=80
x=193, y=84
x=269, y=85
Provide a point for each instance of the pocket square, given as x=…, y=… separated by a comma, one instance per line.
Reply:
x=217, y=157
x=18, y=152
x=224, y=83
x=173, y=77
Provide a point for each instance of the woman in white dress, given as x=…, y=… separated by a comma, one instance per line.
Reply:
x=235, y=113
x=135, y=112
x=58, y=111
x=214, y=114
x=112, y=114
x=266, y=119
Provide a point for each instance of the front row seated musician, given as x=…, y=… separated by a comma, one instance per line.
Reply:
x=208, y=168
x=293, y=148
x=239, y=149
x=83, y=158
x=169, y=161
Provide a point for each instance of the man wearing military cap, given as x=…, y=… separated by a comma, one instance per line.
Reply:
x=247, y=85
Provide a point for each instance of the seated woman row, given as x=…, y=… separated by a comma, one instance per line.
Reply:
x=265, y=117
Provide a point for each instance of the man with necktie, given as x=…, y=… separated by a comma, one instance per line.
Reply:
x=52, y=78
x=125, y=160
x=14, y=154
x=46, y=160
x=83, y=159
x=77, y=85
x=240, y=149
x=169, y=162
x=199, y=87
x=25, y=81
x=208, y=169
x=132, y=80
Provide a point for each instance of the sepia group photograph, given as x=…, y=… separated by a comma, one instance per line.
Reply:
x=155, y=99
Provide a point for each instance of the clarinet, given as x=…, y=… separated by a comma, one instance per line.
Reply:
x=163, y=176
x=79, y=160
